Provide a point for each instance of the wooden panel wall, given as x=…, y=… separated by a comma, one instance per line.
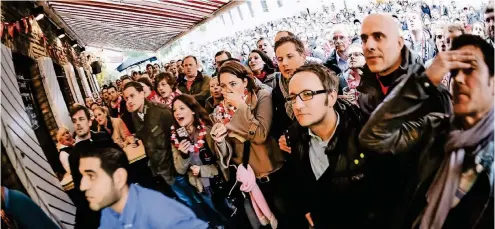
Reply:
x=25, y=152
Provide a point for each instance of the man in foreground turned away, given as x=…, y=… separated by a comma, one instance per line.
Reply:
x=124, y=205
x=455, y=175
x=85, y=217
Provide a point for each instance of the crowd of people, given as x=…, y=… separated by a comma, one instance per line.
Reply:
x=389, y=126
x=314, y=27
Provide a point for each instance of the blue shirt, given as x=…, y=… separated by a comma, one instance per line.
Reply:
x=341, y=62
x=150, y=209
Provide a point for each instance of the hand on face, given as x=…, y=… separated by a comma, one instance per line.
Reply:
x=444, y=62
x=232, y=98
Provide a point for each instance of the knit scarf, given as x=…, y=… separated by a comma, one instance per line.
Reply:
x=441, y=194
x=225, y=112
x=284, y=88
x=171, y=97
x=248, y=184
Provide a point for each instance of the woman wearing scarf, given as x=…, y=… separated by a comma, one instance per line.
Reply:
x=261, y=66
x=245, y=114
x=193, y=150
x=166, y=86
x=150, y=94
x=114, y=126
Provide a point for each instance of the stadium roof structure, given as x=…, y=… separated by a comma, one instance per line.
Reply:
x=145, y=25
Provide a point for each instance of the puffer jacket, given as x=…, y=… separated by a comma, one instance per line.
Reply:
x=340, y=198
x=394, y=129
x=154, y=131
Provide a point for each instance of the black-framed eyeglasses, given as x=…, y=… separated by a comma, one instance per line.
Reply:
x=304, y=95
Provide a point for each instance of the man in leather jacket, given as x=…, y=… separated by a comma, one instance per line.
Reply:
x=388, y=61
x=454, y=179
x=330, y=169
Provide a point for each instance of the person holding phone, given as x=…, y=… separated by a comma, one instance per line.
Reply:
x=245, y=115
x=192, y=147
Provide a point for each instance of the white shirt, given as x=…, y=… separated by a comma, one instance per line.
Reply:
x=317, y=157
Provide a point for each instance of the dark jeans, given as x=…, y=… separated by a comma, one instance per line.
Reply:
x=188, y=196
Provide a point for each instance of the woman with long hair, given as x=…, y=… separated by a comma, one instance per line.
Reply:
x=193, y=150
x=243, y=121
x=166, y=86
x=261, y=65
x=114, y=126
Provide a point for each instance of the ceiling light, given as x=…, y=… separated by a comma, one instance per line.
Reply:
x=60, y=33
x=39, y=13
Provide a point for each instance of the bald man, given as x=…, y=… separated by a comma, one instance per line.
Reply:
x=388, y=62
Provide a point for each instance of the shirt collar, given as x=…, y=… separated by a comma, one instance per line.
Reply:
x=130, y=208
x=78, y=139
x=339, y=59
x=331, y=136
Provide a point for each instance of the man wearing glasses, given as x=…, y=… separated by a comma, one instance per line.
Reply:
x=325, y=153
x=352, y=76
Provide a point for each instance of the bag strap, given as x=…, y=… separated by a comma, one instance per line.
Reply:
x=245, y=153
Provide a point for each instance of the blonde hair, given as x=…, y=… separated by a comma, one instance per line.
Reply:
x=60, y=132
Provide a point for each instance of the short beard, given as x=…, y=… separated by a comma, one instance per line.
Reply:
x=110, y=198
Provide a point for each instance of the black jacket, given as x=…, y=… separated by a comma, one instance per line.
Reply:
x=395, y=128
x=154, y=131
x=124, y=114
x=332, y=64
x=340, y=198
x=371, y=94
x=395, y=184
x=281, y=120
x=85, y=217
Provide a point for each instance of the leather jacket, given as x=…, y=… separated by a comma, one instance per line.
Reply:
x=340, y=197
x=394, y=129
x=371, y=94
x=154, y=131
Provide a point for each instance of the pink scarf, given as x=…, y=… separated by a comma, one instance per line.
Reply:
x=248, y=180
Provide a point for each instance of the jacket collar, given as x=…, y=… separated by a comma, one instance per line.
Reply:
x=199, y=77
x=252, y=100
x=370, y=83
x=347, y=114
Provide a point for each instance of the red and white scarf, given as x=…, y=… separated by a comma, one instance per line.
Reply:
x=225, y=112
x=171, y=97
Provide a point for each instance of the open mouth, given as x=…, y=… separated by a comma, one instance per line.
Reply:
x=180, y=119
